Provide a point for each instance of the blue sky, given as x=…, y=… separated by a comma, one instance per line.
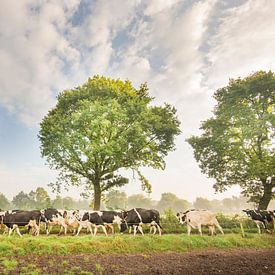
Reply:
x=183, y=49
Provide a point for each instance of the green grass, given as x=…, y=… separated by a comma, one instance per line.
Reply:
x=16, y=246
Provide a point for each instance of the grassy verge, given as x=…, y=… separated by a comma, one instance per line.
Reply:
x=28, y=245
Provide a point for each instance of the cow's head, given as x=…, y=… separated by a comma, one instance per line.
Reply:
x=248, y=212
x=181, y=217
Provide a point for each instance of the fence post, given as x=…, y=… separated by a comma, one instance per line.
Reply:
x=241, y=225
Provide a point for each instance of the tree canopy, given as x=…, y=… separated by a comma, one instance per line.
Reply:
x=237, y=144
x=103, y=126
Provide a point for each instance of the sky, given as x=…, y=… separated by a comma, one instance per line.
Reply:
x=184, y=50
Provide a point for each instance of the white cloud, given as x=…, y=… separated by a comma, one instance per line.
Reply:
x=244, y=42
x=156, y=6
x=32, y=51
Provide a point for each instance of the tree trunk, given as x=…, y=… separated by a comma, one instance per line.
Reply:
x=266, y=198
x=97, y=196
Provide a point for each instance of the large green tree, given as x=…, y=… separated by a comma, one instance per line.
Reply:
x=237, y=144
x=103, y=126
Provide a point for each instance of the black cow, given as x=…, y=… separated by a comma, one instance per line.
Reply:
x=16, y=219
x=261, y=217
x=136, y=217
x=91, y=218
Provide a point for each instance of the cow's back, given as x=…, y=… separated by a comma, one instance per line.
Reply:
x=203, y=217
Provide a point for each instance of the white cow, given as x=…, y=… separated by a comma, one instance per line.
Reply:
x=197, y=218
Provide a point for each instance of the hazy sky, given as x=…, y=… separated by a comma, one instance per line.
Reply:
x=183, y=49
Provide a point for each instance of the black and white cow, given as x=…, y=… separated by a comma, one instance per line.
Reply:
x=136, y=217
x=261, y=217
x=53, y=217
x=113, y=217
x=196, y=218
x=88, y=219
x=15, y=219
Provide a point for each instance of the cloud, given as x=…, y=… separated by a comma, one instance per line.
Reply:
x=243, y=42
x=33, y=52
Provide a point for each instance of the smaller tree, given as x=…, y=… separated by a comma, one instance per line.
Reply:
x=42, y=198
x=116, y=200
x=202, y=203
x=170, y=200
x=4, y=202
x=22, y=201
x=139, y=200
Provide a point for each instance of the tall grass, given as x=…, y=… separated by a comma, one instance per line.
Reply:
x=16, y=246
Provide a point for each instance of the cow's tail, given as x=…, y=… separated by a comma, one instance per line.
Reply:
x=158, y=223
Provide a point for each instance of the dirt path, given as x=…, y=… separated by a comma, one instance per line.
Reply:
x=241, y=261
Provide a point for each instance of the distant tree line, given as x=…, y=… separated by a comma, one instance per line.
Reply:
x=116, y=199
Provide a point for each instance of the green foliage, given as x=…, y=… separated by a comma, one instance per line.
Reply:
x=4, y=202
x=37, y=199
x=236, y=144
x=170, y=200
x=116, y=200
x=103, y=126
x=170, y=223
x=139, y=200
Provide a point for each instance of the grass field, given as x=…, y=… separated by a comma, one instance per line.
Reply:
x=16, y=246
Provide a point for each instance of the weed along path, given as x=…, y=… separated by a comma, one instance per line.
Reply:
x=168, y=254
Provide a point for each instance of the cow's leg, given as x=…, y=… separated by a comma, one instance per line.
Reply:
x=104, y=229
x=119, y=226
x=219, y=227
x=90, y=228
x=10, y=231
x=159, y=229
x=258, y=226
x=79, y=229
x=17, y=230
x=130, y=229
x=211, y=230
x=265, y=227
x=140, y=229
x=95, y=231
x=199, y=228
x=135, y=230
x=47, y=229
x=60, y=231
x=38, y=229
x=189, y=229
x=65, y=229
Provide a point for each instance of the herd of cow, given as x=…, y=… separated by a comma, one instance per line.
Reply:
x=134, y=218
